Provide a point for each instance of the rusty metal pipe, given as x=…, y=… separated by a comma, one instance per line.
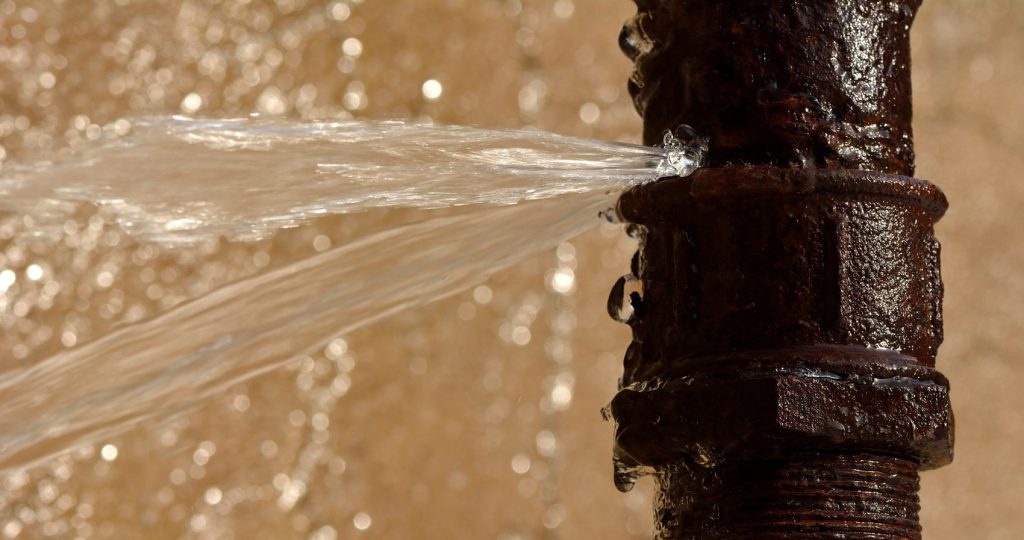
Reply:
x=781, y=378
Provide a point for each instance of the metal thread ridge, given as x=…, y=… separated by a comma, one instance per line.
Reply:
x=799, y=495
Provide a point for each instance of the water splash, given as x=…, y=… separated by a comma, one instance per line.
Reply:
x=180, y=181
x=243, y=329
x=685, y=152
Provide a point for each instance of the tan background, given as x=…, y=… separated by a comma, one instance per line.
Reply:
x=448, y=429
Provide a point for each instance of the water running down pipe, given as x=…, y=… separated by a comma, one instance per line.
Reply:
x=781, y=380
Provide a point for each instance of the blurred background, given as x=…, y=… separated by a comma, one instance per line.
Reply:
x=477, y=416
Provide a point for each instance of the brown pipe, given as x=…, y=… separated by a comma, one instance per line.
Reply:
x=781, y=378
x=791, y=83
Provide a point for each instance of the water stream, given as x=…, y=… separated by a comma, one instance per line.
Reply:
x=178, y=182
x=181, y=180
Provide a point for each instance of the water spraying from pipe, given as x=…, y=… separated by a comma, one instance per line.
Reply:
x=181, y=182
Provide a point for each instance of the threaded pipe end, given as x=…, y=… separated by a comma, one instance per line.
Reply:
x=807, y=495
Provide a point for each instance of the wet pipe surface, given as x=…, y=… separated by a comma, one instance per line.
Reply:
x=781, y=378
x=781, y=82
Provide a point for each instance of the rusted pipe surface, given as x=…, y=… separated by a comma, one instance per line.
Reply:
x=823, y=83
x=781, y=381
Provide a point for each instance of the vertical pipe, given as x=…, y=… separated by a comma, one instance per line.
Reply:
x=781, y=379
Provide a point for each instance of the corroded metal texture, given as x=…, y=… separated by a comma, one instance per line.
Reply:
x=822, y=83
x=800, y=495
x=781, y=381
x=783, y=257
